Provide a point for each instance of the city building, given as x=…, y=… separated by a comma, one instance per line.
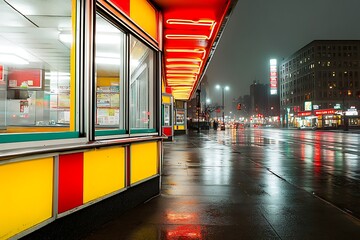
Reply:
x=259, y=98
x=264, y=107
x=319, y=85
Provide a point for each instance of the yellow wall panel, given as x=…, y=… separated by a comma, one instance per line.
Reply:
x=145, y=16
x=179, y=127
x=144, y=161
x=106, y=82
x=26, y=195
x=166, y=99
x=104, y=172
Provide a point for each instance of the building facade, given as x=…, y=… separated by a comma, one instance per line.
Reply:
x=264, y=107
x=259, y=98
x=319, y=85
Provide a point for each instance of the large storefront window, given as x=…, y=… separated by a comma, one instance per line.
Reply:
x=141, y=85
x=109, y=59
x=35, y=57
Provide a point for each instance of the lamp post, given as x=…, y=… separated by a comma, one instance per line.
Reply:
x=198, y=92
x=223, y=88
x=207, y=101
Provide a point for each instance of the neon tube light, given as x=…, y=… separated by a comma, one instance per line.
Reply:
x=181, y=75
x=183, y=88
x=183, y=60
x=191, y=22
x=209, y=23
x=182, y=71
x=199, y=51
x=181, y=83
x=182, y=79
x=182, y=66
x=186, y=36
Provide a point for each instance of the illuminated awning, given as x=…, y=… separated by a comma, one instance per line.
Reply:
x=191, y=32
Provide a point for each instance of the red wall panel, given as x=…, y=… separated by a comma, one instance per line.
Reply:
x=71, y=172
x=124, y=5
x=167, y=131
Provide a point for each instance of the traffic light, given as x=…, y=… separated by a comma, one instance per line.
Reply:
x=238, y=106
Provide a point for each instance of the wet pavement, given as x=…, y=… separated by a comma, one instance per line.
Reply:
x=251, y=184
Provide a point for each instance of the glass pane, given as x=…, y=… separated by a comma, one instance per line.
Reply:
x=109, y=58
x=141, y=85
x=167, y=120
x=35, y=76
x=180, y=117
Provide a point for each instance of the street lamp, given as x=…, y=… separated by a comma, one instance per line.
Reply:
x=223, y=88
x=207, y=101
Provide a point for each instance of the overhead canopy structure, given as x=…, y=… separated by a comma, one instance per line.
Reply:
x=192, y=29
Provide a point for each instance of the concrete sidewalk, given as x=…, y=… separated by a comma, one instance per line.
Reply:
x=213, y=190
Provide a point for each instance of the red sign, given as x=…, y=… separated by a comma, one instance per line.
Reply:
x=305, y=113
x=25, y=78
x=324, y=112
x=168, y=90
x=1, y=73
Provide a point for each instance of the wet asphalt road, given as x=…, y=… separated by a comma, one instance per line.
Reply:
x=251, y=184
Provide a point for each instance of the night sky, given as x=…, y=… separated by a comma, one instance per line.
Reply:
x=262, y=29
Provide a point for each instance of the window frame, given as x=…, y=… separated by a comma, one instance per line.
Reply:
x=120, y=132
x=33, y=138
x=154, y=93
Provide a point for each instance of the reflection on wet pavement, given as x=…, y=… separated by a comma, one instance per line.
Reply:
x=251, y=184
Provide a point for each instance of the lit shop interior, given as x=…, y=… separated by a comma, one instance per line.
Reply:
x=39, y=91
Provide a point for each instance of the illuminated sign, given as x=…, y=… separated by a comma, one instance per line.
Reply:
x=324, y=111
x=308, y=106
x=273, y=77
x=337, y=106
x=306, y=113
x=352, y=111
x=1, y=73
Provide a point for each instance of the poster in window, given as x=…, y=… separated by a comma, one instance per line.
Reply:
x=25, y=78
x=24, y=106
x=115, y=100
x=103, y=100
x=63, y=101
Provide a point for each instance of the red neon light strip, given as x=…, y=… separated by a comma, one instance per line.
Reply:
x=200, y=51
x=186, y=37
x=191, y=22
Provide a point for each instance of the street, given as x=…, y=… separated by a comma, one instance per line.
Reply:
x=323, y=163
x=251, y=184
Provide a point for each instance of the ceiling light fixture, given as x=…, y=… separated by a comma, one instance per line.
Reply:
x=8, y=58
x=182, y=66
x=210, y=23
x=179, y=50
x=182, y=71
x=180, y=75
x=183, y=60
